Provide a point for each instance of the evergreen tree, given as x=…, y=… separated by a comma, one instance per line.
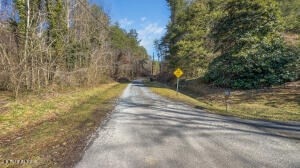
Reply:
x=187, y=36
x=253, y=53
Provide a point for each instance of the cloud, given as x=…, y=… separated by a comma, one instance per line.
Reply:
x=152, y=28
x=149, y=33
x=143, y=19
x=125, y=22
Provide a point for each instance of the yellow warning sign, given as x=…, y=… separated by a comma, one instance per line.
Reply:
x=178, y=73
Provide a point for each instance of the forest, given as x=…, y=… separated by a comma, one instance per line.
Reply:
x=233, y=43
x=50, y=43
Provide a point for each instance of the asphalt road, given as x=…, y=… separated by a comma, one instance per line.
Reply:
x=146, y=130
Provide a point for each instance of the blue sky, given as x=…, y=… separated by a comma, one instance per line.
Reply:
x=148, y=17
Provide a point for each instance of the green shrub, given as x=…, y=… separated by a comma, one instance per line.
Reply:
x=266, y=67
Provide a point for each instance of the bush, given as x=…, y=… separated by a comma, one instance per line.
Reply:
x=123, y=80
x=267, y=66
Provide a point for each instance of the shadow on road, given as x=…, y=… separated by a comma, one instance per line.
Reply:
x=190, y=118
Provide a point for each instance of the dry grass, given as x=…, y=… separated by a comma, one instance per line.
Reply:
x=291, y=39
x=53, y=131
x=279, y=104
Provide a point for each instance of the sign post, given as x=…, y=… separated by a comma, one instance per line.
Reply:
x=177, y=86
x=227, y=95
x=178, y=73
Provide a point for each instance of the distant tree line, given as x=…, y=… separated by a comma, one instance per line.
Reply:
x=233, y=43
x=63, y=42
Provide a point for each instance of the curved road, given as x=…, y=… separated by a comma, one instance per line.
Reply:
x=146, y=130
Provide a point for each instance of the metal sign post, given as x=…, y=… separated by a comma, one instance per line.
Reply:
x=178, y=73
x=177, y=86
x=227, y=95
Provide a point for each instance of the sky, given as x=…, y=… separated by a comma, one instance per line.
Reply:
x=148, y=17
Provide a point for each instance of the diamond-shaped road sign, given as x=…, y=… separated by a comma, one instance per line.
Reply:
x=178, y=73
